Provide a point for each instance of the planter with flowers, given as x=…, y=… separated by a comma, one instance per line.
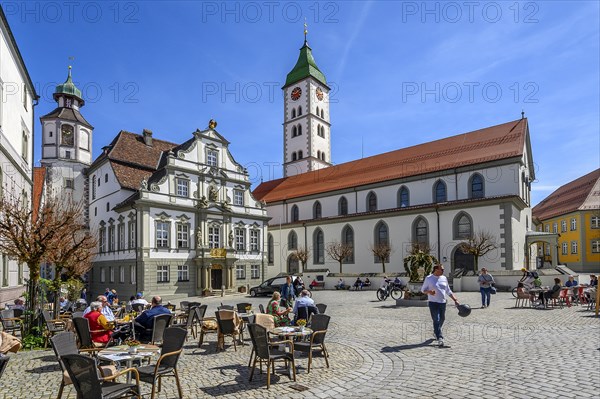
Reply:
x=133, y=345
x=301, y=323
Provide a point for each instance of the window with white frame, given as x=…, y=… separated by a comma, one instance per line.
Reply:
x=183, y=273
x=555, y=228
x=565, y=248
x=254, y=271
x=102, y=275
x=595, y=222
x=240, y=272
x=121, y=236
x=563, y=226
x=240, y=239
x=132, y=274
x=111, y=274
x=70, y=184
x=214, y=237
x=162, y=273
x=254, y=240
x=547, y=248
x=573, y=224
x=573, y=247
x=131, y=235
x=212, y=158
x=162, y=234
x=111, y=238
x=238, y=197
x=547, y=228
x=121, y=274
x=595, y=245
x=183, y=235
x=183, y=187
x=102, y=240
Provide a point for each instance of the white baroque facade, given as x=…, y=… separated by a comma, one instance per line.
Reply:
x=17, y=96
x=174, y=219
x=437, y=194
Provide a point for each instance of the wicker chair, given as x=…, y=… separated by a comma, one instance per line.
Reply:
x=3, y=363
x=53, y=325
x=227, y=328
x=161, y=322
x=319, y=325
x=261, y=308
x=264, y=351
x=166, y=366
x=65, y=343
x=184, y=305
x=84, y=375
x=138, y=307
x=226, y=307
x=322, y=307
x=241, y=307
x=84, y=335
x=207, y=324
x=10, y=323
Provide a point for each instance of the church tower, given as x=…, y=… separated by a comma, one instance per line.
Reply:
x=67, y=143
x=306, y=127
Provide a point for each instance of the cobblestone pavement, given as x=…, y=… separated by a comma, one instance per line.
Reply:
x=378, y=350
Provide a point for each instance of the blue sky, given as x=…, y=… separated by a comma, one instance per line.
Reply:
x=402, y=73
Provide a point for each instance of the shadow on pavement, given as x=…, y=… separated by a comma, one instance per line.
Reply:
x=406, y=347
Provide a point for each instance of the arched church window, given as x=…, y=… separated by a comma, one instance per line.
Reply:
x=299, y=110
x=322, y=114
x=318, y=111
x=300, y=155
x=293, y=112
x=299, y=130
x=294, y=156
x=294, y=131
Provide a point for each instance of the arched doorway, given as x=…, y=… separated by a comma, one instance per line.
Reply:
x=292, y=265
x=462, y=260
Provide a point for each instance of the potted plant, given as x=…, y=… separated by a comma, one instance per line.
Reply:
x=419, y=263
x=133, y=345
x=301, y=323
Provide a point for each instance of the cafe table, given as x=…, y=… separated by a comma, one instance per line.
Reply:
x=296, y=333
x=122, y=353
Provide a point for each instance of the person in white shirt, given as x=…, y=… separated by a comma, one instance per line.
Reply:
x=139, y=299
x=106, y=310
x=436, y=287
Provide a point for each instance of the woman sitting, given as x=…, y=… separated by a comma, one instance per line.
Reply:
x=553, y=293
x=279, y=313
x=522, y=294
x=100, y=328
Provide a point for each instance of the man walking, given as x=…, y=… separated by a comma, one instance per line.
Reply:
x=436, y=287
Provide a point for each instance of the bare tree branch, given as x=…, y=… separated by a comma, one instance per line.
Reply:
x=339, y=252
x=479, y=244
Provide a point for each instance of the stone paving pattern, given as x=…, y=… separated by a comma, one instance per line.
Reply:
x=379, y=350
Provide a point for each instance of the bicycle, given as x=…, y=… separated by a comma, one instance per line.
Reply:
x=394, y=290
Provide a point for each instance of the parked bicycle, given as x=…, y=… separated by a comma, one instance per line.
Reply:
x=391, y=289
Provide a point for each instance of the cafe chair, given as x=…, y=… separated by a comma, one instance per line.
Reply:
x=264, y=351
x=225, y=307
x=84, y=335
x=52, y=325
x=322, y=307
x=161, y=322
x=207, y=324
x=241, y=307
x=184, y=305
x=65, y=343
x=261, y=308
x=319, y=325
x=268, y=322
x=228, y=326
x=84, y=375
x=10, y=323
x=3, y=363
x=166, y=366
x=137, y=307
x=522, y=299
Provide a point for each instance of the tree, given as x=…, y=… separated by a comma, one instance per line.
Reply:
x=301, y=254
x=382, y=251
x=339, y=251
x=420, y=257
x=31, y=236
x=478, y=245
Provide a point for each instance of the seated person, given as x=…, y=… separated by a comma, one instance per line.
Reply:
x=139, y=298
x=521, y=293
x=537, y=282
x=63, y=303
x=304, y=307
x=298, y=285
x=106, y=310
x=144, y=323
x=367, y=282
x=279, y=313
x=340, y=284
x=19, y=304
x=100, y=328
x=358, y=284
x=571, y=282
x=553, y=293
x=313, y=284
x=386, y=281
x=398, y=282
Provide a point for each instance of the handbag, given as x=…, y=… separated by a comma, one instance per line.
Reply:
x=492, y=290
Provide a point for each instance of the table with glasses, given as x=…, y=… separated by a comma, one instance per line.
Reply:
x=121, y=353
x=295, y=333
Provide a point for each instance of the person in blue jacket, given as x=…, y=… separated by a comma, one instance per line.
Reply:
x=288, y=293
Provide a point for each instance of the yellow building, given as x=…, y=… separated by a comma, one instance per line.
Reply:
x=573, y=211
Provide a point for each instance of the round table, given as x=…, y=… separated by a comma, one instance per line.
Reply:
x=121, y=354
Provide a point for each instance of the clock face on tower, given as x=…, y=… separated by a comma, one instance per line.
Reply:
x=296, y=93
x=67, y=135
x=319, y=94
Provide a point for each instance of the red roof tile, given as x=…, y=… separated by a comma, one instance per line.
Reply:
x=496, y=142
x=567, y=198
x=130, y=177
x=39, y=177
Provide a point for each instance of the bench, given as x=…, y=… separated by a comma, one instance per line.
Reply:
x=317, y=284
x=345, y=287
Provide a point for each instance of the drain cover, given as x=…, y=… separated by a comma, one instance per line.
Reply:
x=298, y=387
